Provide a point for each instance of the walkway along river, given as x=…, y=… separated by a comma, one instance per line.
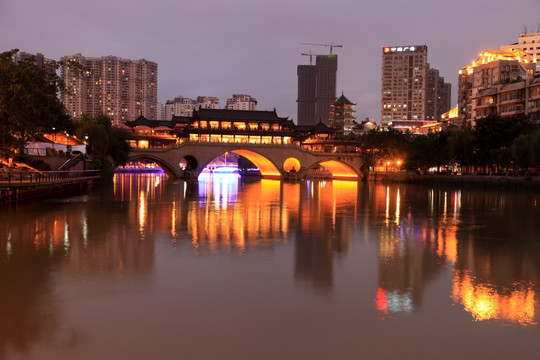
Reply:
x=21, y=185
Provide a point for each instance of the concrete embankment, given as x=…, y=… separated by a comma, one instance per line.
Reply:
x=43, y=192
x=20, y=186
x=516, y=182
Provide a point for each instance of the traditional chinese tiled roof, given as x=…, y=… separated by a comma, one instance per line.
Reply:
x=342, y=101
x=181, y=119
x=239, y=115
x=142, y=121
x=321, y=127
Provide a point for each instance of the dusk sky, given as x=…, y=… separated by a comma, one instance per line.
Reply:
x=219, y=48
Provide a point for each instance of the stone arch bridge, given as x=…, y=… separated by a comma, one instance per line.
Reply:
x=273, y=160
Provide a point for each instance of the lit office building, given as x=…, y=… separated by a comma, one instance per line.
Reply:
x=411, y=90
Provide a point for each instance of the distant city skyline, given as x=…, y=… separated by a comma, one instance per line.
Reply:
x=218, y=49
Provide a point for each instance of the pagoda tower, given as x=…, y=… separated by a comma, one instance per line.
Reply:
x=342, y=115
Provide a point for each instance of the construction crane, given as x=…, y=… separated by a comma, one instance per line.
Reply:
x=310, y=57
x=331, y=45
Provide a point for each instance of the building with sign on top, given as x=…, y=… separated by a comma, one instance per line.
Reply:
x=411, y=90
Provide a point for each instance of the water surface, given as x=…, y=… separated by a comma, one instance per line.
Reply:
x=232, y=269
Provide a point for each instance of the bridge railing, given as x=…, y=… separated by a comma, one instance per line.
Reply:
x=41, y=177
x=219, y=143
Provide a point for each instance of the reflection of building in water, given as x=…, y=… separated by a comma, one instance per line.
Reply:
x=325, y=228
x=497, y=270
x=484, y=301
x=264, y=213
x=412, y=250
x=32, y=247
x=73, y=237
x=494, y=278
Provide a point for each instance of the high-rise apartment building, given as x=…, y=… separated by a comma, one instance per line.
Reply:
x=122, y=89
x=241, y=102
x=160, y=113
x=498, y=82
x=183, y=106
x=411, y=90
x=307, y=80
x=38, y=58
x=316, y=90
x=207, y=102
x=528, y=42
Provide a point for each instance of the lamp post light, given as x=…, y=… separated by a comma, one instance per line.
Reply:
x=387, y=164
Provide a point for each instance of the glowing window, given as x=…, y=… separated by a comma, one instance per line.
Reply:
x=240, y=125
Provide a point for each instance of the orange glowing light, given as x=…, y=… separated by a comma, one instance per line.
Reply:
x=266, y=167
x=485, y=301
x=497, y=55
x=340, y=170
x=291, y=163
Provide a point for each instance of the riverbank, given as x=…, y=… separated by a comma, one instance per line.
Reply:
x=10, y=196
x=507, y=182
x=22, y=186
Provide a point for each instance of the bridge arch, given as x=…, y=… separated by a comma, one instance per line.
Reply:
x=339, y=170
x=266, y=167
x=273, y=160
x=169, y=169
x=188, y=162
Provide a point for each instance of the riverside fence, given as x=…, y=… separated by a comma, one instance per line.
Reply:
x=33, y=178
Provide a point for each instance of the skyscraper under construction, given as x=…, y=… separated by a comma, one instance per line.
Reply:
x=316, y=90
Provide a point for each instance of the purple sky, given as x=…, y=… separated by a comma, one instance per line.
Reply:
x=224, y=47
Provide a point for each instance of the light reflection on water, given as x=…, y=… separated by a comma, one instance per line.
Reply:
x=383, y=259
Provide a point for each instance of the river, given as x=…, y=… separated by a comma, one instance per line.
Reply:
x=228, y=268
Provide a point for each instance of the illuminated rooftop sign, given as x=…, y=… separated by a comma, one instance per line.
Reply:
x=399, y=49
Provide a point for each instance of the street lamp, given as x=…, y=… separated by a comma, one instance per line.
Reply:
x=387, y=164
